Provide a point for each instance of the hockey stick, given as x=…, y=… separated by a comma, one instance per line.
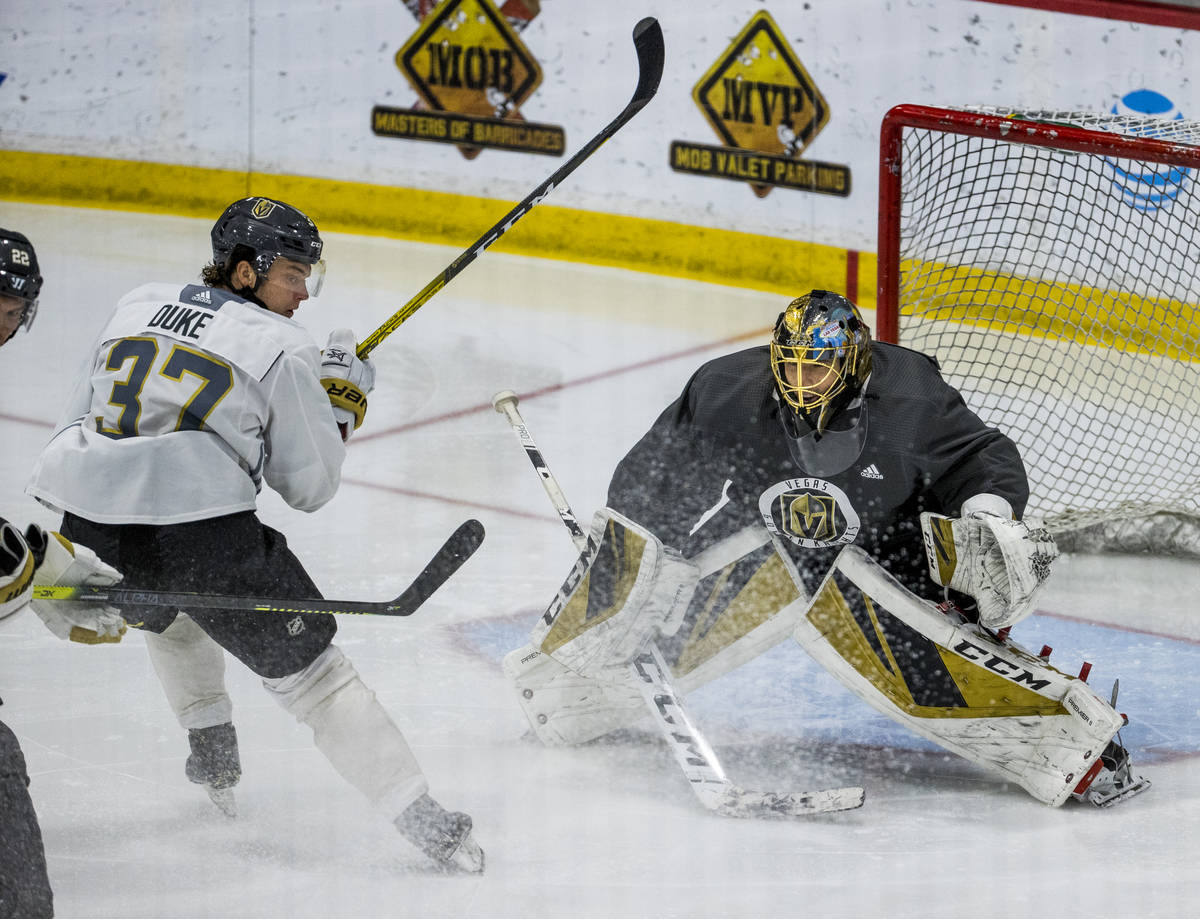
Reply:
x=648, y=43
x=449, y=558
x=691, y=750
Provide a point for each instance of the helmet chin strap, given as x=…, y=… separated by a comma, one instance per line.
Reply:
x=249, y=293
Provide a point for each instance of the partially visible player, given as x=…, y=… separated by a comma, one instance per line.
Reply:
x=44, y=558
x=20, y=284
x=795, y=478
x=197, y=395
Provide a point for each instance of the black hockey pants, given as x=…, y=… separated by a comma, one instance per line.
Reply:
x=234, y=554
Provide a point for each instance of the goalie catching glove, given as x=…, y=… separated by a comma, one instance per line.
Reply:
x=347, y=380
x=1002, y=563
x=60, y=561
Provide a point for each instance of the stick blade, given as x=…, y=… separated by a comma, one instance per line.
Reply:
x=736, y=802
x=459, y=547
x=648, y=42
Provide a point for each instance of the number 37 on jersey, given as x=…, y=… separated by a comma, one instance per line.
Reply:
x=159, y=386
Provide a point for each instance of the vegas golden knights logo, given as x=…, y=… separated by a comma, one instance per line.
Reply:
x=262, y=208
x=809, y=512
x=810, y=515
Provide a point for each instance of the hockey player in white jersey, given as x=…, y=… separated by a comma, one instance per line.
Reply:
x=196, y=395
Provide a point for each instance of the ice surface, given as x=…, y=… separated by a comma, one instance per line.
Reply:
x=609, y=830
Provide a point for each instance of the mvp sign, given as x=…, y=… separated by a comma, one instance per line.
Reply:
x=766, y=110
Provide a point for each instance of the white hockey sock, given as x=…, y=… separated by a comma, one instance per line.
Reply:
x=191, y=669
x=352, y=730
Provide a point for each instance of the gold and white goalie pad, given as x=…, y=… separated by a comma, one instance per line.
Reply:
x=707, y=615
x=953, y=682
x=625, y=589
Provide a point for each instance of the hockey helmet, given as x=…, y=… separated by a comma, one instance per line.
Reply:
x=822, y=339
x=19, y=274
x=270, y=229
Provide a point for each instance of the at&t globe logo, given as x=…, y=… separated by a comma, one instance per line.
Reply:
x=1148, y=186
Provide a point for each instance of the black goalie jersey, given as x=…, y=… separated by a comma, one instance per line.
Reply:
x=720, y=458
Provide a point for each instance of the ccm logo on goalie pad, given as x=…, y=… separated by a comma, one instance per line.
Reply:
x=1007, y=669
x=574, y=576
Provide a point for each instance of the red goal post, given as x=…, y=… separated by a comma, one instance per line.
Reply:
x=1050, y=261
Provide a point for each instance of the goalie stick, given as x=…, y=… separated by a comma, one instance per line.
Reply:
x=648, y=43
x=691, y=750
x=449, y=558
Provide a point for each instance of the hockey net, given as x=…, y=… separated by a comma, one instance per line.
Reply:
x=1050, y=261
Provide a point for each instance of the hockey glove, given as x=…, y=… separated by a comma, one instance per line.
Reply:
x=347, y=381
x=16, y=569
x=66, y=563
x=1001, y=563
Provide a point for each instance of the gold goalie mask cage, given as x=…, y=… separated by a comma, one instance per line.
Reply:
x=822, y=340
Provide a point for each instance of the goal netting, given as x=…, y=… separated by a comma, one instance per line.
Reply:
x=1050, y=261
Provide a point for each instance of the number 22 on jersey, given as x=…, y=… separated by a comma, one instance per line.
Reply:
x=188, y=382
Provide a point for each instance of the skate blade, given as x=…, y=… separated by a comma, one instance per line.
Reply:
x=1102, y=800
x=467, y=858
x=223, y=799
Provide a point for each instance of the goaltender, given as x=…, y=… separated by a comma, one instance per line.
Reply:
x=838, y=490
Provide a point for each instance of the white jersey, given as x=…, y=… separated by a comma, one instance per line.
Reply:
x=193, y=397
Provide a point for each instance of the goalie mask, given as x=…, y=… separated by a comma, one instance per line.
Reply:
x=820, y=356
x=20, y=280
x=269, y=229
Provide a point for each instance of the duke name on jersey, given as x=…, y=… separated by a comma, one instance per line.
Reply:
x=172, y=411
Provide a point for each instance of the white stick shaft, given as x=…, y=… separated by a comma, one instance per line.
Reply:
x=506, y=404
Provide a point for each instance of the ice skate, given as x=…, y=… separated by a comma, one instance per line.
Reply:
x=214, y=763
x=1114, y=782
x=443, y=835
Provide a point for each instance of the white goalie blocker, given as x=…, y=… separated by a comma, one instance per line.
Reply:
x=708, y=615
x=990, y=701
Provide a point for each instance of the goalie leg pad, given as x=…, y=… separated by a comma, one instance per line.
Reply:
x=993, y=703
x=566, y=708
x=624, y=590
x=748, y=599
x=352, y=730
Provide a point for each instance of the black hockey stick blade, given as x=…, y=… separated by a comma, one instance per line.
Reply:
x=449, y=558
x=648, y=43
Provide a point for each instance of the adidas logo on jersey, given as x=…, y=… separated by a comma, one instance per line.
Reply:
x=203, y=296
x=871, y=472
